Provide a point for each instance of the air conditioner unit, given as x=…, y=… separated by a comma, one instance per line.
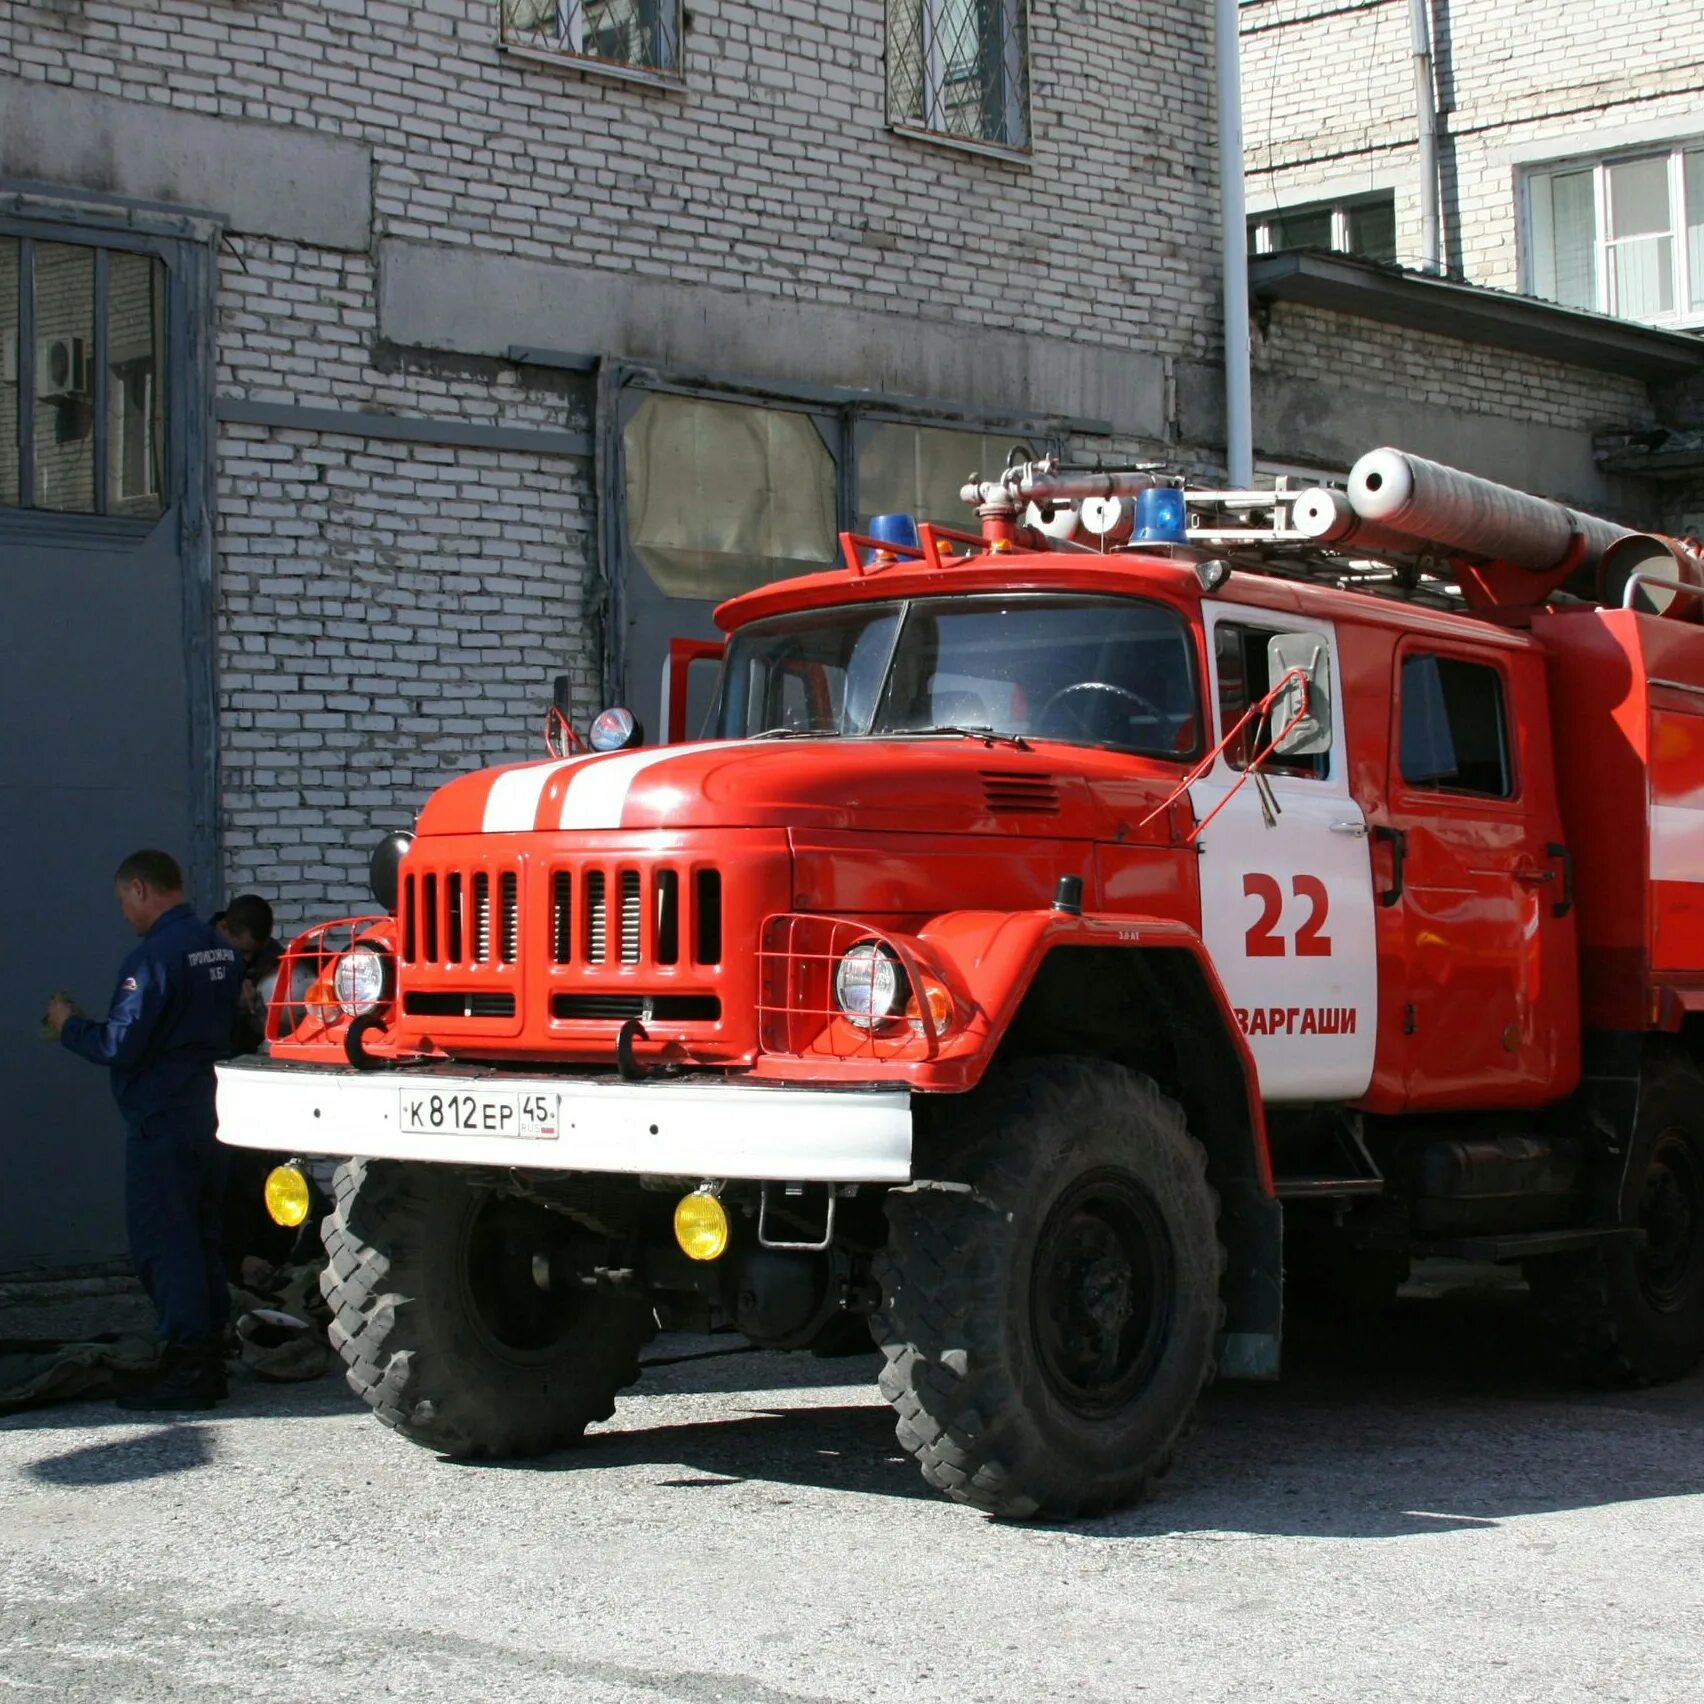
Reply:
x=62, y=368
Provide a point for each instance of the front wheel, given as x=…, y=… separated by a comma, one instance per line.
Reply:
x=460, y=1324
x=1050, y=1296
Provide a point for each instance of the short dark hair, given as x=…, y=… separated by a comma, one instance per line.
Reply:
x=160, y=870
x=249, y=914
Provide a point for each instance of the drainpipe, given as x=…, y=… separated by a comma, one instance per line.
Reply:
x=1239, y=427
x=1421, y=30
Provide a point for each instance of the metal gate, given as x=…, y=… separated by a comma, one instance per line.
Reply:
x=105, y=674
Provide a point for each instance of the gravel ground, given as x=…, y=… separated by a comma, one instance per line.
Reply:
x=1415, y=1513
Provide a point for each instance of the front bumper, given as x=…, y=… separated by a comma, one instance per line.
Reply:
x=695, y=1126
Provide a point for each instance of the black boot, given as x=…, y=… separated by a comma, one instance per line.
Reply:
x=189, y=1378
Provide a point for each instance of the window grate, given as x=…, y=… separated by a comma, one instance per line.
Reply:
x=641, y=35
x=960, y=68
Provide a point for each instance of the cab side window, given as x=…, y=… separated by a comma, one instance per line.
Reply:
x=1240, y=662
x=1454, y=727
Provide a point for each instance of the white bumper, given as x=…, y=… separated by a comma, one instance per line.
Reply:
x=679, y=1127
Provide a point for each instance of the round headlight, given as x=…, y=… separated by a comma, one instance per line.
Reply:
x=614, y=730
x=870, y=985
x=359, y=981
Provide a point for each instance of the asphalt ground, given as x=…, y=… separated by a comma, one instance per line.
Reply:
x=1416, y=1512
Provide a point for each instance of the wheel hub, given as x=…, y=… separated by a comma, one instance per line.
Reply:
x=1101, y=1293
x=506, y=1266
x=1671, y=1214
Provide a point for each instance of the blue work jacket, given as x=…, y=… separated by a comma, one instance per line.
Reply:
x=170, y=1018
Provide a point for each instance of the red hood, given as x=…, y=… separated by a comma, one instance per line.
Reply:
x=942, y=785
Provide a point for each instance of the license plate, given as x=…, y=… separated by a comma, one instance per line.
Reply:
x=528, y=1114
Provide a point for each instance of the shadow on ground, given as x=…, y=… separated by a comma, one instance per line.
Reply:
x=1442, y=1414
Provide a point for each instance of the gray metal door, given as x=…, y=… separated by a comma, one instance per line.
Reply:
x=103, y=688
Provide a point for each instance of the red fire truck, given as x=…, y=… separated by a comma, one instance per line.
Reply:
x=1071, y=931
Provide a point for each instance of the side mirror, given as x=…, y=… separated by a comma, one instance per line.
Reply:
x=1307, y=655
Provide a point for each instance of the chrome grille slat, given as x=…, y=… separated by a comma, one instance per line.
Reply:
x=632, y=916
x=509, y=930
x=482, y=918
x=596, y=920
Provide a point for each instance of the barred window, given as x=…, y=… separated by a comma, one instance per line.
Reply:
x=960, y=68
x=637, y=35
x=82, y=379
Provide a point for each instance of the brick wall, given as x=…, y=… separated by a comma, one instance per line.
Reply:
x=1471, y=378
x=391, y=616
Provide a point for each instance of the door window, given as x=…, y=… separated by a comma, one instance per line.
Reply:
x=1454, y=736
x=1242, y=662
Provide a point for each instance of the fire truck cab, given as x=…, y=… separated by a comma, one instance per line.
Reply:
x=1067, y=937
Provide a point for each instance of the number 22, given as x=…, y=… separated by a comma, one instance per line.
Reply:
x=1263, y=940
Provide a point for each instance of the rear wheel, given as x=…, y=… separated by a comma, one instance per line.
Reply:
x=459, y=1319
x=1051, y=1294
x=1632, y=1312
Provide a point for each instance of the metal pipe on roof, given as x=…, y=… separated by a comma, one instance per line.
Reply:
x=1420, y=28
x=1239, y=423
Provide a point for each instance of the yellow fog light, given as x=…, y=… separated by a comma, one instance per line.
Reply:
x=701, y=1225
x=287, y=1195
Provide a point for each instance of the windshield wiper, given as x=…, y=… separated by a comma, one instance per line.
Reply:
x=796, y=734
x=987, y=735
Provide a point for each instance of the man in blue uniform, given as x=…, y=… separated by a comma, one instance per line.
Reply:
x=170, y=1019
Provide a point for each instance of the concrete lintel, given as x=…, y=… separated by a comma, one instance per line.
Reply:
x=399, y=428
x=488, y=304
x=271, y=180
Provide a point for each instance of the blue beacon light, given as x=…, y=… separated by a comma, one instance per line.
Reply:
x=896, y=529
x=1160, y=516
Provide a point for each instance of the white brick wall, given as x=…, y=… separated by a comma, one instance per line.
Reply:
x=392, y=615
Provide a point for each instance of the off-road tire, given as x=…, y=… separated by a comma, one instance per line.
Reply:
x=1018, y=1172
x=417, y=1348
x=1624, y=1314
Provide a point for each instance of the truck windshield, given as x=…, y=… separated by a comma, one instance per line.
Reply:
x=1116, y=672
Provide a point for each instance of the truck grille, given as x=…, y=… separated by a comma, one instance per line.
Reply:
x=635, y=916
x=459, y=917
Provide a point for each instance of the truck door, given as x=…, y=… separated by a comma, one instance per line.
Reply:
x=1286, y=893
x=1478, y=869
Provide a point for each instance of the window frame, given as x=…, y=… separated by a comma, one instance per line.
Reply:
x=102, y=522
x=1017, y=90
x=1341, y=209
x=1472, y=798
x=1684, y=316
x=568, y=58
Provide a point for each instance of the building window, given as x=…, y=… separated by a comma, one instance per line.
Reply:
x=82, y=369
x=1365, y=227
x=632, y=35
x=723, y=497
x=960, y=69
x=1623, y=236
x=920, y=471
